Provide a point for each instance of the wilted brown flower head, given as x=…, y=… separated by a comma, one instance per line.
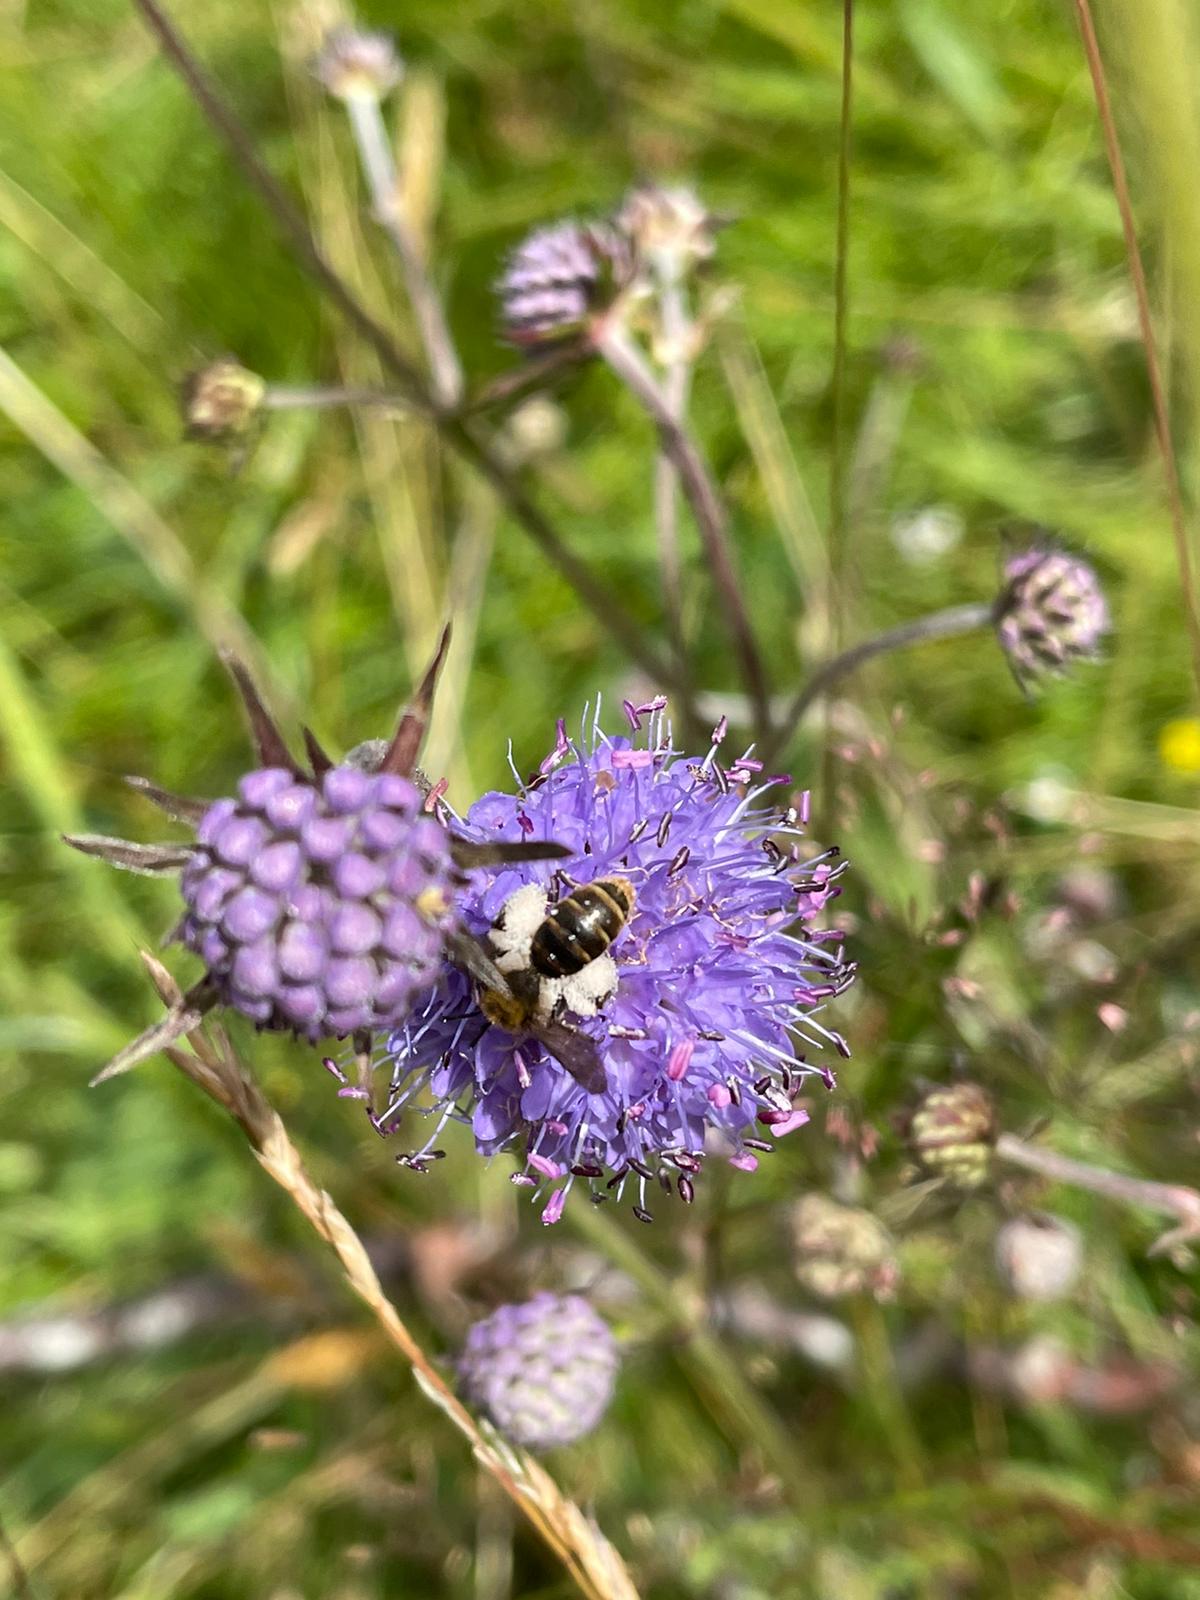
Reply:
x=841, y=1250
x=670, y=229
x=221, y=400
x=951, y=1134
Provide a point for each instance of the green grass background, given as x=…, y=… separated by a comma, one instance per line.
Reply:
x=984, y=235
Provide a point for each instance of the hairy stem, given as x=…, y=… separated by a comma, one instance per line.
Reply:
x=707, y=508
x=602, y=601
x=379, y=169
x=937, y=625
x=1170, y=1199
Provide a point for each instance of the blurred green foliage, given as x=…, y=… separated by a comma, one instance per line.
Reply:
x=994, y=374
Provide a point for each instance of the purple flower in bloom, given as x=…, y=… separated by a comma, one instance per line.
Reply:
x=543, y=1371
x=1051, y=612
x=714, y=981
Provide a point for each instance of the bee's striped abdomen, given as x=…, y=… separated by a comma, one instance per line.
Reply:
x=581, y=927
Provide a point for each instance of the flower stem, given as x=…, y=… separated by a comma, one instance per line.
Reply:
x=675, y=329
x=603, y=602
x=1171, y=1199
x=379, y=169
x=318, y=397
x=937, y=625
x=711, y=519
x=211, y=1064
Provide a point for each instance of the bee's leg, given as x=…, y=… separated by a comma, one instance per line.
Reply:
x=401, y=755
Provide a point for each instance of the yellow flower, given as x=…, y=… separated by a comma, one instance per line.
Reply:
x=1179, y=745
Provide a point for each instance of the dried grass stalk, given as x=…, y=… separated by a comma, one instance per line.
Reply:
x=213, y=1065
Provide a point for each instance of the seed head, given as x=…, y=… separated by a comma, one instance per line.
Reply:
x=700, y=1009
x=357, y=64
x=841, y=1250
x=543, y=1371
x=221, y=400
x=559, y=278
x=671, y=229
x=1039, y=1256
x=951, y=1134
x=1051, y=612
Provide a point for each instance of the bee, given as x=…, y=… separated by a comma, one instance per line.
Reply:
x=581, y=927
x=546, y=959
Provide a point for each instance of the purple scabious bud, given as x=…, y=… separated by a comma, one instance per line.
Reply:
x=543, y=1371
x=713, y=982
x=319, y=906
x=558, y=278
x=1051, y=612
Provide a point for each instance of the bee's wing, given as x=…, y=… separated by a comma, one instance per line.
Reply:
x=468, y=853
x=575, y=1051
x=468, y=952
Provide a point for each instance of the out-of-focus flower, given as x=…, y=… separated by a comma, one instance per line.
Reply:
x=359, y=64
x=543, y=1371
x=951, y=1134
x=1179, y=745
x=221, y=400
x=1051, y=612
x=560, y=277
x=670, y=228
x=1039, y=1256
x=923, y=537
x=841, y=1250
x=698, y=1009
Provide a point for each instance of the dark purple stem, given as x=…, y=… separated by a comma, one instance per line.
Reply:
x=604, y=603
x=711, y=518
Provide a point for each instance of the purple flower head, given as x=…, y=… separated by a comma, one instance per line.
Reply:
x=696, y=1010
x=543, y=1371
x=1051, y=612
x=319, y=905
x=320, y=899
x=558, y=278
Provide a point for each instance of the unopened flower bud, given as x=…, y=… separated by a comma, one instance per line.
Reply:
x=951, y=1134
x=559, y=278
x=543, y=1371
x=1039, y=1256
x=1051, y=612
x=221, y=400
x=670, y=228
x=357, y=64
x=841, y=1250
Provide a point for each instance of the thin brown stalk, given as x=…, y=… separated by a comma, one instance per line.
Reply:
x=1137, y=274
x=603, y=602
x=212, y=1065
x=1169, y=1199
x=841, y=297
x=707, y=508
